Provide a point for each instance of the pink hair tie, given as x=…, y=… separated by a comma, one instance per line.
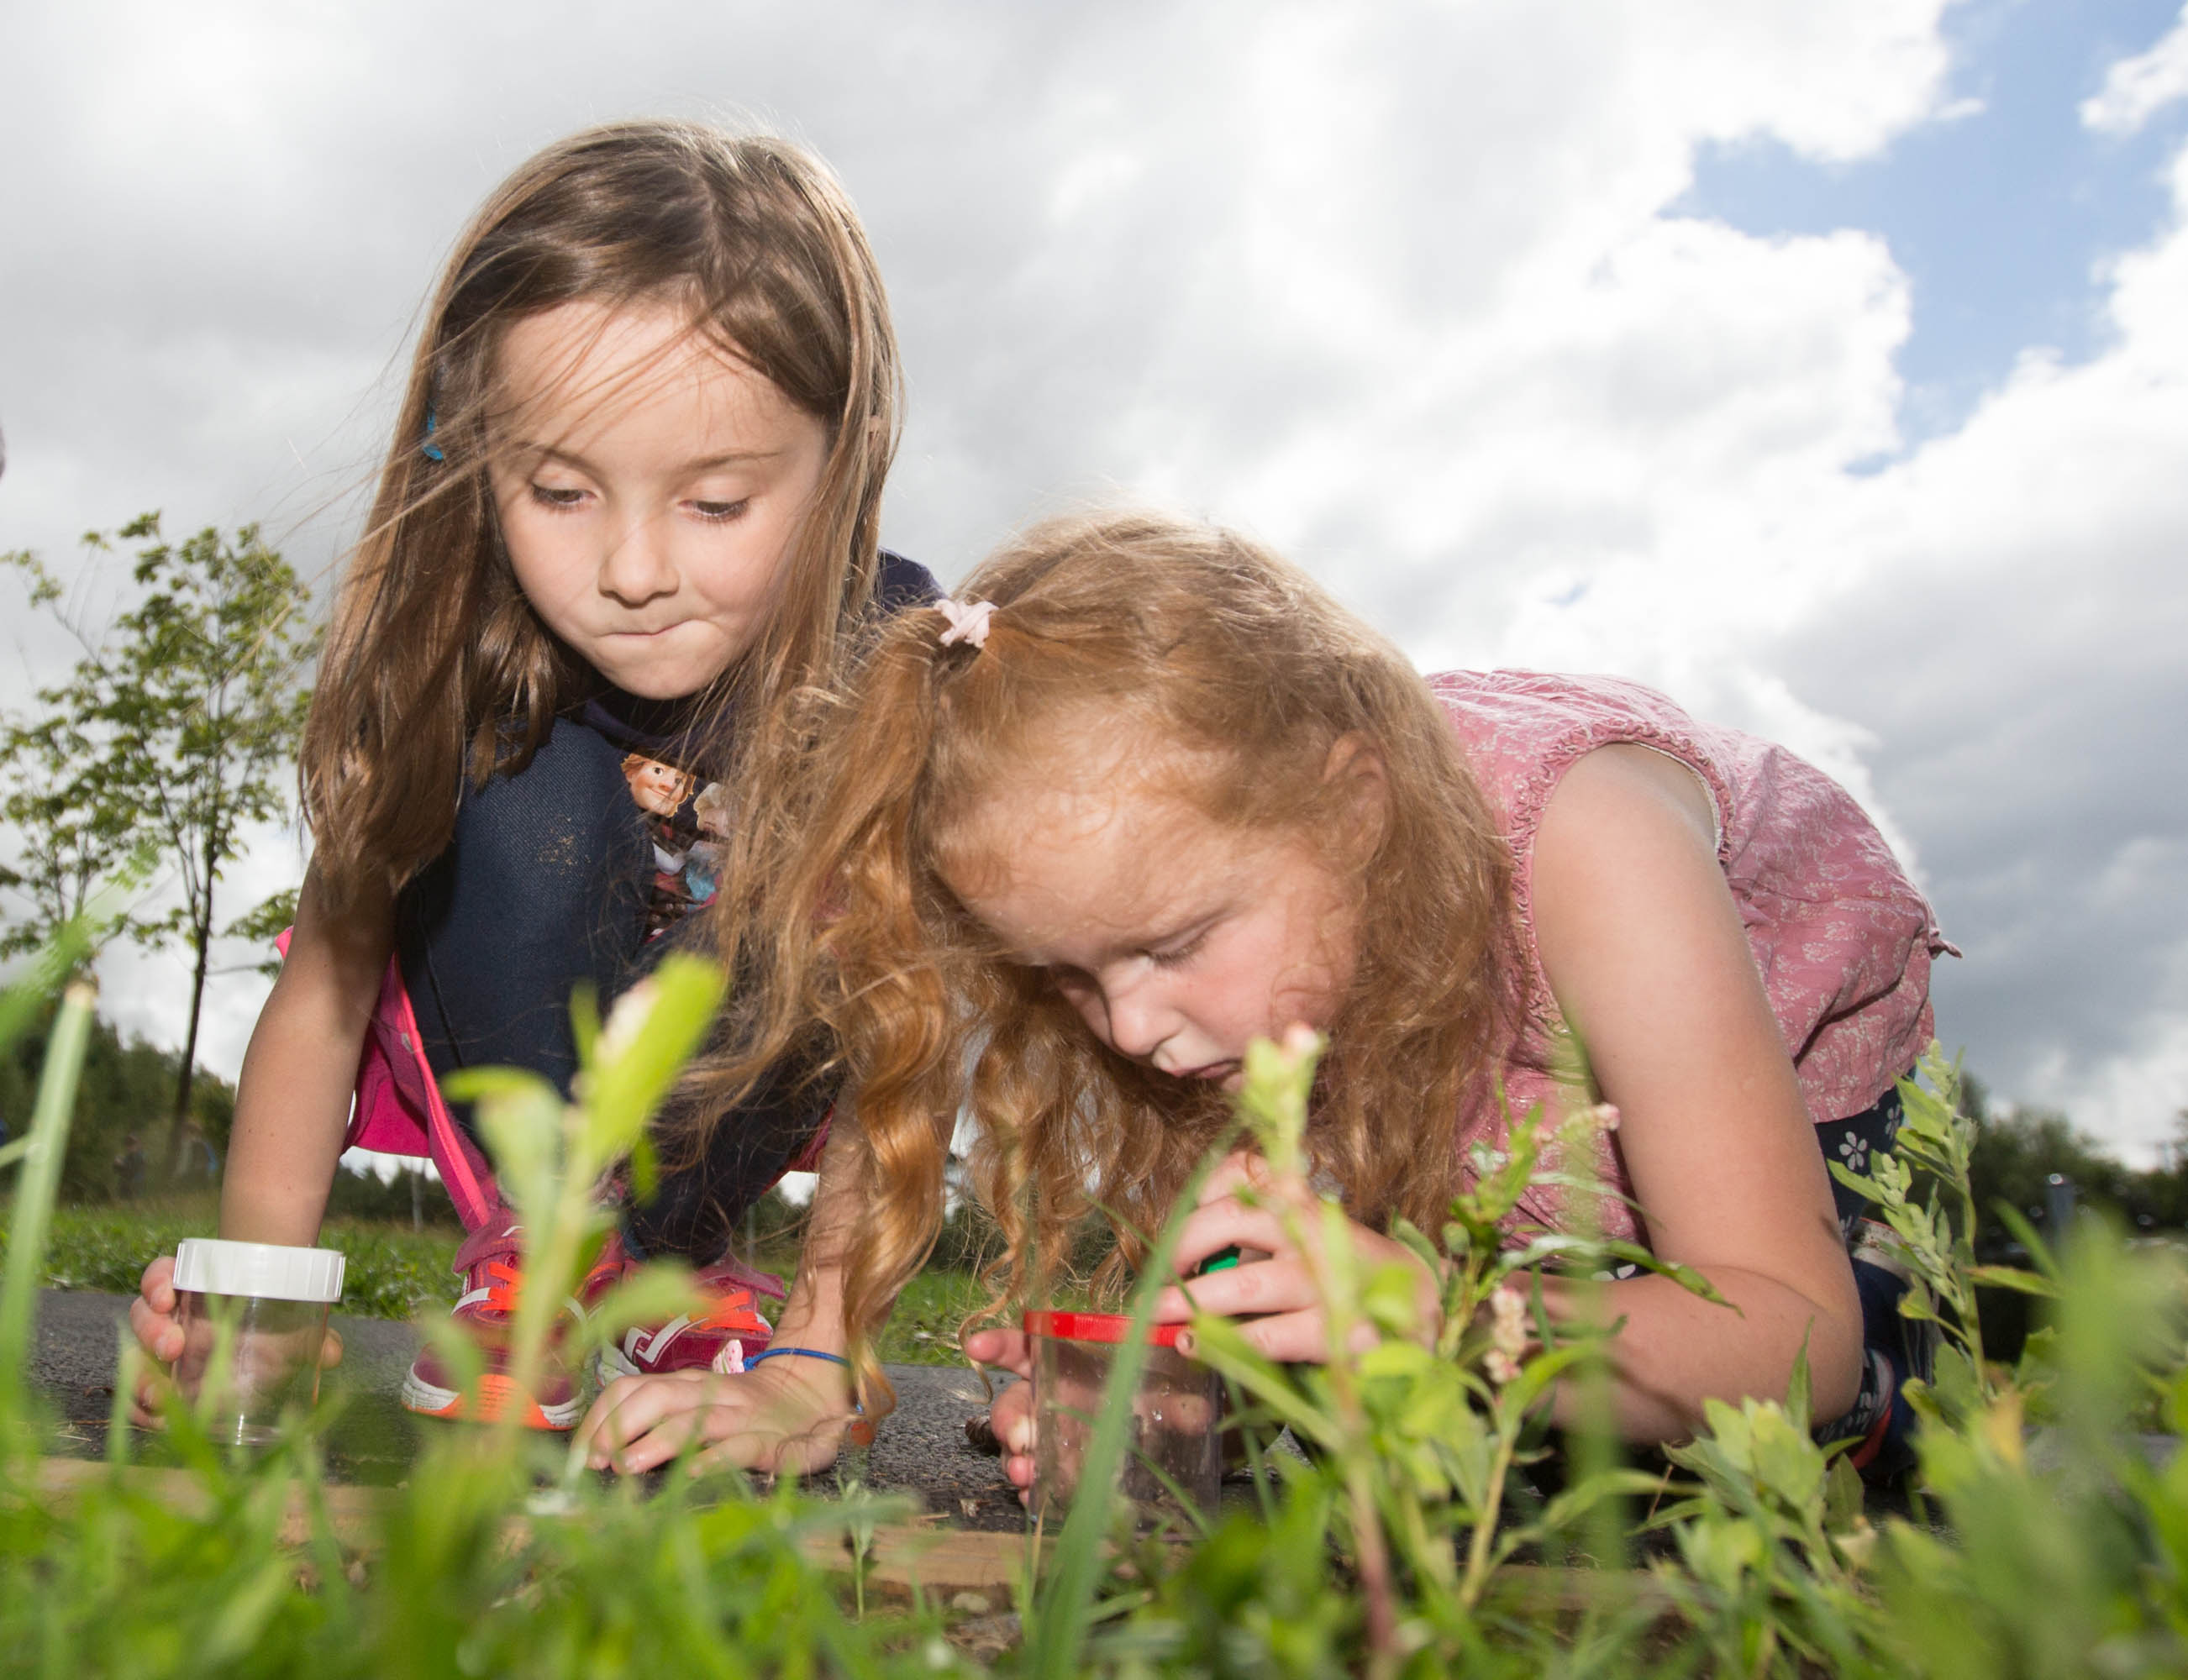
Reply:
x=969, y=622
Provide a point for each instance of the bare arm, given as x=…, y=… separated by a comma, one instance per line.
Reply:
x=292, y=1106
x=1644, y=950
x=812, y=1317
x=293, y=1099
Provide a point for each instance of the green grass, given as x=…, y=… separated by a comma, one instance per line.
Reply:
x=391, y=1270
x=1382, y=1554
x=924, y=1328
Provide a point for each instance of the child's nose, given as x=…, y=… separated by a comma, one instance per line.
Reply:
x=638, y=568
x=1138, y=1022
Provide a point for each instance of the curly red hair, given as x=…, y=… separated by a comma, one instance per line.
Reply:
x=851, y=948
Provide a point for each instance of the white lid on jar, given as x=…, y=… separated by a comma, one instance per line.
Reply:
x=271, y=1271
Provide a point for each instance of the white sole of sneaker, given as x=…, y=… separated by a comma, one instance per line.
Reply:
x=497, y=1395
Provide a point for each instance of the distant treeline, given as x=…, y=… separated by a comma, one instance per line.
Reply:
x=128, y=1092
x=2019, y=1150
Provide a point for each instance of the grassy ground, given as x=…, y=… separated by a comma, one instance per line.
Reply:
x=924, y=1328
x=394, y=1270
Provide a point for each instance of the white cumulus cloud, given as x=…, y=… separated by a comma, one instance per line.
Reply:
x=1406, y=289
x=2136, y=89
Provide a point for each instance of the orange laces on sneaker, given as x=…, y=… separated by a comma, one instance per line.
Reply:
x=731, y=1311
x=505, y=1279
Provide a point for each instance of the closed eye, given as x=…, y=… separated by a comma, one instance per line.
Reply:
x=720, y=513
x=1069, y=981
x=1173, y=956
x=557, y=498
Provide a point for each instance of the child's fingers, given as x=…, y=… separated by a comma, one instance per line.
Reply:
x=144, y=1400
x=1281, y=1284
x=156, y=1333
x=604, y=1427
x=1210, y=1231
x=628, y=1409
x=650, y=1448
x=1006, y=1349
x=1011, y=1419
x=1011, y=1415
x=641, y=1423
x=330, y=1350
x=156, y=1288
x=1300, y=1338
x=1240, y=1169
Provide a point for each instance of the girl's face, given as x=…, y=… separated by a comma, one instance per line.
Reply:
x=650, y=488
x=1177, y=939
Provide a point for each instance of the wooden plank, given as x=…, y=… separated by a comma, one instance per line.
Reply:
x=925, y=1555
x=928, y=1557
x=354, y=1512
x=934, y=1559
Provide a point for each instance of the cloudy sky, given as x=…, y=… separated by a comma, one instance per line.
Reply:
x=1826, y=365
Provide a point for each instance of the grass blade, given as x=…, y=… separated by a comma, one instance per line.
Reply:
x=35, y=1189
x=1064, y=1611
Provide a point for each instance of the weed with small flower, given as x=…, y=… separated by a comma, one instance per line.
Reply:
x=1419, y=1532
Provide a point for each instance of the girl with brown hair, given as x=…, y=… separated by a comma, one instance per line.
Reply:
x=635, y=490
x=1064, y=850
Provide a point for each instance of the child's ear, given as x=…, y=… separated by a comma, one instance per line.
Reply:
x=1356, y=773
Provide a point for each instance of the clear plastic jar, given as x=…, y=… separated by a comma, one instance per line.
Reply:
x=1175, y=1449
x=254, y=1318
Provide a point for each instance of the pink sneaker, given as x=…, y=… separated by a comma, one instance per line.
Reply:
x=491, y=1263
x=730, y=1331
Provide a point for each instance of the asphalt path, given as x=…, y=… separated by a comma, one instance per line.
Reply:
x=920, y=1449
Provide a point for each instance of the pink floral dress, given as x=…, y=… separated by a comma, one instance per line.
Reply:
x=1842, y=940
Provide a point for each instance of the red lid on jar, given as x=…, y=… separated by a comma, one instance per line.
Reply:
x=1097, y=1327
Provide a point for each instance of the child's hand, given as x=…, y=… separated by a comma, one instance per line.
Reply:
x=152, y=1320
x=1278, y=1296
x=789, y=1414
x=1011, y=1416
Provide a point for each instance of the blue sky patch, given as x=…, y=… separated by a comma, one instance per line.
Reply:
x=1999, y=218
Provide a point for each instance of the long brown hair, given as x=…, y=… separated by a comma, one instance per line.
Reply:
x=838, y=909
x=436, y=665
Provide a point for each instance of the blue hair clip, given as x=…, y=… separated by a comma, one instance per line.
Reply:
x=433, y=452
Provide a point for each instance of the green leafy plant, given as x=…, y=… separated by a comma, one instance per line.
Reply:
x=1763, y=1560
x=1412, y=1448
x=1419, y=1531
x=499, y=1555
x=2068, y=1547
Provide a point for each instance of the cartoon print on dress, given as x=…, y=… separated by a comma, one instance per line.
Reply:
x=664, y=794
x=702, y=865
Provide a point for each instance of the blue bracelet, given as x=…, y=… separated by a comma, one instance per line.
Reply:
x=810, y=1353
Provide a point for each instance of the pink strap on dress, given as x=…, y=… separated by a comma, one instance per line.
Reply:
x=399, y=1110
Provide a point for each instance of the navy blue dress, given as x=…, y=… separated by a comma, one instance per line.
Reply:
x=582, y=867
